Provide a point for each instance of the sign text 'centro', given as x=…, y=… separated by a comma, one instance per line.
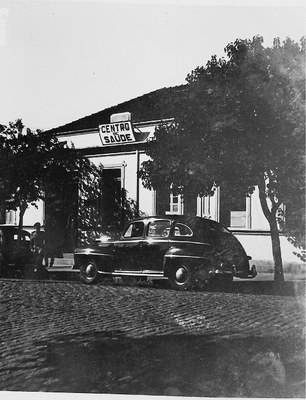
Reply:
x=116, y=133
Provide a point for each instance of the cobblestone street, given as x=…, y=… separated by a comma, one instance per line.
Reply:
x=61, y=335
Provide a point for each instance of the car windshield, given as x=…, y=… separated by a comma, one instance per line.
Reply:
x=160, y=228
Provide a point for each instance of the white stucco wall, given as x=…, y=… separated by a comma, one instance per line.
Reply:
x=259, y=221
x=33, y=214
x=259, y=247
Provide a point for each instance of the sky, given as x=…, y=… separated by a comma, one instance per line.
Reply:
x=63, y=60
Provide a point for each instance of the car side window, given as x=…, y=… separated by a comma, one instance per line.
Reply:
x=182, y=230
x=134, y=230
x=23, y=237
x=160, y=228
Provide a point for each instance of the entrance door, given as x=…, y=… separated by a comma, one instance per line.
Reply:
x=112, y=210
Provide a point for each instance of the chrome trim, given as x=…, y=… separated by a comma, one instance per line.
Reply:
x=221, y=272
x=181, y=256
x=147, y=271
x=62, y=269
x=93, y=254
x=150, y=240
x=188, y=242
x=134, y=273
x=143, y=240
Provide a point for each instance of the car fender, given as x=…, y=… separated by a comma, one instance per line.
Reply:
x=196, y=258
x=102, y=256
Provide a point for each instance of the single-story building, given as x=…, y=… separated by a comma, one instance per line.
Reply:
x=115, y=139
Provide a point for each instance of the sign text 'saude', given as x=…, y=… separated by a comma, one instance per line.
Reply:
x=116, y=133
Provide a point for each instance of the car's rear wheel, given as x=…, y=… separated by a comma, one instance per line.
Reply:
x=89, y=272
x=182, y=277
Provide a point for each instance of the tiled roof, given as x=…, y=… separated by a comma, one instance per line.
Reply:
x=151, y=106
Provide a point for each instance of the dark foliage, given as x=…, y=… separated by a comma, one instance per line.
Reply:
x=240, y=124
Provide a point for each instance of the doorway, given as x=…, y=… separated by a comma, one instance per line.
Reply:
x=112, y=198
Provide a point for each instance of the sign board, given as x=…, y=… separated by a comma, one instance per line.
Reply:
x=116, y=133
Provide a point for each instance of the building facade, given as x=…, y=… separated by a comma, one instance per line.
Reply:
x=115, y=140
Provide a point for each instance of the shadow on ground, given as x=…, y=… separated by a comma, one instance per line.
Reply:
x=218, y=366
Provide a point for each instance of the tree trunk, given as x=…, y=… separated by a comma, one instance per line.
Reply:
x=22, y=210
x=276, y=248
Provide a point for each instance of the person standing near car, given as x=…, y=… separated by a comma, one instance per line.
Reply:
x=38, y=243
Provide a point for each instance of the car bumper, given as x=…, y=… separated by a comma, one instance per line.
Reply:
x=250, y=273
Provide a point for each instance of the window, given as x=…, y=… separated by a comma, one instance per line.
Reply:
x=242, y=217
x=134, y=230
x=176, y=202
x=182, y=230
x=159, y=228
x=235, y=210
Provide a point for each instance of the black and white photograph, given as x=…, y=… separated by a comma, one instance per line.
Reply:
x=152, y=199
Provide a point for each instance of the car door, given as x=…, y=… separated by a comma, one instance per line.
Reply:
x=156, y=243
x=128, y=248
x=143, y=245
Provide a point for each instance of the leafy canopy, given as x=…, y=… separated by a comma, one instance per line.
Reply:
x=31, y=162
x=238, y=123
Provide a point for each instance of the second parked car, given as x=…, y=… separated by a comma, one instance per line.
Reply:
x=15, y=253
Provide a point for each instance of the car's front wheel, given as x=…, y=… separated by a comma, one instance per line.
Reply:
x=182, y=277
x=89, y=272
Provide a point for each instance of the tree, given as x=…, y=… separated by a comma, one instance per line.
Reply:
x=34, y=163
x=240, y=124
x=26, y=153
x=64, y=191
x=35, y=166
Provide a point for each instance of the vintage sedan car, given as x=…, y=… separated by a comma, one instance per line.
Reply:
x=180, y=250
x=14, y=254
